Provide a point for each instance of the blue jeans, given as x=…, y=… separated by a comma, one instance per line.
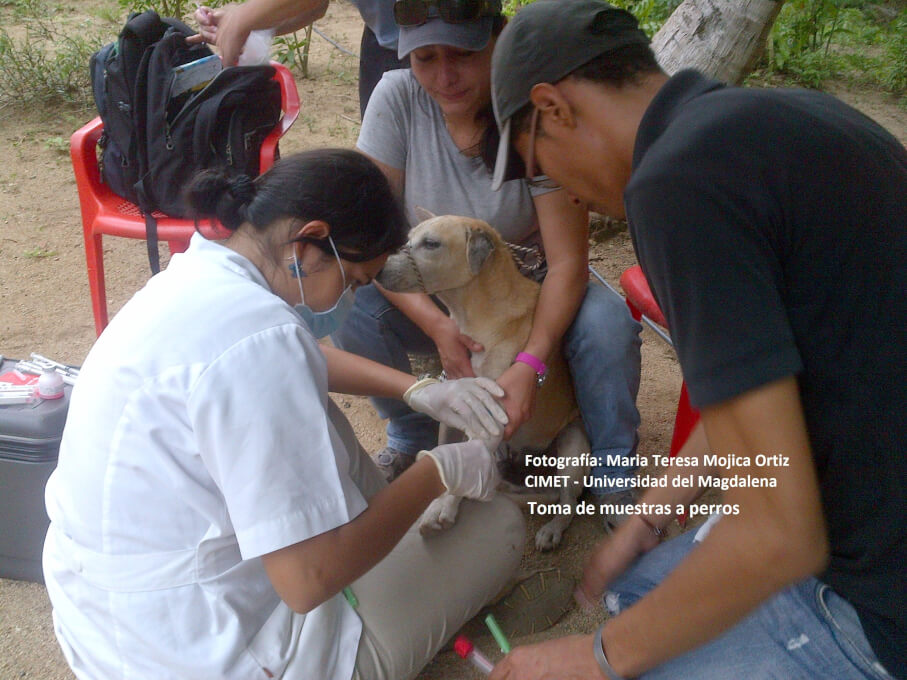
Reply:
x=806, y=631
x=601, y=346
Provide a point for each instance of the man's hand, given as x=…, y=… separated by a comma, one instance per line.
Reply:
x=520, y=384
x=568, y=658
x=611, y=557
x=455, y=348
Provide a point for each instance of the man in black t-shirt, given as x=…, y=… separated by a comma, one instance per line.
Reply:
x=772, y=227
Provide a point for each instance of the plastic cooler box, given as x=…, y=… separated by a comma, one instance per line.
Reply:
x=29, y=445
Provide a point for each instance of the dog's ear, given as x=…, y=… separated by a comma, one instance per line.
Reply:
x=422, y=214
x=478, y=247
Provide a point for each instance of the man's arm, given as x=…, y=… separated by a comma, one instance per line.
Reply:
x=778, y=538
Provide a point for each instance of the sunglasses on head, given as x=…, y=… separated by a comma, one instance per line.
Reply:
x=415, y=12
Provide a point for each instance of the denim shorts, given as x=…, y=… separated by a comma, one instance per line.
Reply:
x=807, y=631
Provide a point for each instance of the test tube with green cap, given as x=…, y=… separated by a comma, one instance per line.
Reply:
x=498, y=634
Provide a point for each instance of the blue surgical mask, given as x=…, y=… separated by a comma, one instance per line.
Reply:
x=322, y=324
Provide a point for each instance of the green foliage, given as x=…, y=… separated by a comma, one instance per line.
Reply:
x=895, y=78
x=650, y=13
x=816, y=40
x=293, y=52
x=181, y=9
x=39, y=253
x=57, y=144
x=48, y=64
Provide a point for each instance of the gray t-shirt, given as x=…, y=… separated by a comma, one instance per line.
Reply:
x=404, y=128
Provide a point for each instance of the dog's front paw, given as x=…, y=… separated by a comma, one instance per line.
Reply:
x=440, y=515
x=549, y=536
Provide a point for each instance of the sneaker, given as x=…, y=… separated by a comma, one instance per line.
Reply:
x=393, y=462
x=533, y=604
x=618, y=513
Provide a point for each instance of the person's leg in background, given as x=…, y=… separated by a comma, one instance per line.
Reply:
x=602, y=347
x=374, y=61
x=377, y=330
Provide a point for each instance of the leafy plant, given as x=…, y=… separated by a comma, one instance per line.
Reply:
x=896, y=73
x=651, y=13
x=39, y=252
x=293, y=52
x=49, y=64
x=57, y=144
x=181, y=9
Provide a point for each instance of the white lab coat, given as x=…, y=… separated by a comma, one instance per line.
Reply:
x=197, y=441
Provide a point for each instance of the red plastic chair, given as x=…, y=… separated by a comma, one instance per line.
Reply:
x=642, y=303
x=103, y=212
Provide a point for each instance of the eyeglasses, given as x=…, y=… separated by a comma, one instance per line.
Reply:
x=533, y=180
x=415, y=12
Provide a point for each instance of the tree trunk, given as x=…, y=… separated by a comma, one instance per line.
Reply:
x=722, y=38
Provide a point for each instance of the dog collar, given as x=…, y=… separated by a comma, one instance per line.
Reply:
x=541, y=370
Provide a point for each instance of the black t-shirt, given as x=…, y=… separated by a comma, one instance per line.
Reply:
x=772, y=227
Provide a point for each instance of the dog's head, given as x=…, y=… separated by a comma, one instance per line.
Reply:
x=443, y=253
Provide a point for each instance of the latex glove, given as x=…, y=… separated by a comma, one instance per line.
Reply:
x=467, y=404
x=467, y=469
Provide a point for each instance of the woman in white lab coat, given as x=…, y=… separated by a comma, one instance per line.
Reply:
x=212, y=514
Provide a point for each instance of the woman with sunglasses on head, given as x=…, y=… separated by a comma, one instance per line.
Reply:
x=431, y=131
x=212, y=514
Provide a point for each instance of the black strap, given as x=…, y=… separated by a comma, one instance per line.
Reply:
x=205, y=122
x=154, y=257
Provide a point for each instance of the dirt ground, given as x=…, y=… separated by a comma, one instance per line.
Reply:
x=45, y=306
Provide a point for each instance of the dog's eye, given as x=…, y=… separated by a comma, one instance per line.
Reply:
x=430, y=244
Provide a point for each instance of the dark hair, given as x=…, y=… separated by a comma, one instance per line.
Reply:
x=488, y=144
x=339, y=186
x=625, y=65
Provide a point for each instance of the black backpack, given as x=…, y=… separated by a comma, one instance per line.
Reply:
x=153, y=143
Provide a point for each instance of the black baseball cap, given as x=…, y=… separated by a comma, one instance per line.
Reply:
x=544, y=43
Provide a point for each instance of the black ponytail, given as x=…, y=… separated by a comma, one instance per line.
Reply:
x=338, y=186
x=214, y=193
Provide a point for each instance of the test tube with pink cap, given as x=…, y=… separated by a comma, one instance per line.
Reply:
x=468, y=651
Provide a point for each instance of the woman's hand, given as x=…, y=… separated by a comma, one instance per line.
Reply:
x=207, y=20
x=520, y=384
x=567, y=658
x=467, y=404
x=467, y=469
x=455, y=348
x=611, y=557
x=224, y=27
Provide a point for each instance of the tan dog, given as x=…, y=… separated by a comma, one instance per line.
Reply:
x=468, y=266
